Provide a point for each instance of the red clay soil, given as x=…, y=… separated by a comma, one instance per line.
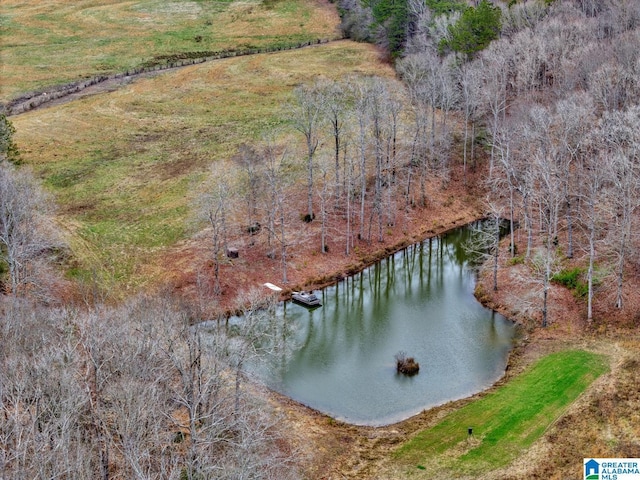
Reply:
x=192, y=276
x=519, y=297
x=188, y=268
x=327, y=449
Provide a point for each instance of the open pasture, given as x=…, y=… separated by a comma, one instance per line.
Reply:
x=124, y=166
x=52, y=42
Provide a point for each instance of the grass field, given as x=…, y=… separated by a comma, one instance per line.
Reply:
x=50, y=42
x=123, y=166
x=505, y=422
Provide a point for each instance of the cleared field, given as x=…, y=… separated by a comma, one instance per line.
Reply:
x=123, y=165
x=50, y=42
x=505, y=422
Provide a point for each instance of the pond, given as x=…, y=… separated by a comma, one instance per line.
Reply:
x=419, y=301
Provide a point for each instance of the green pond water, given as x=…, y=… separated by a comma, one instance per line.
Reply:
x=420, y=301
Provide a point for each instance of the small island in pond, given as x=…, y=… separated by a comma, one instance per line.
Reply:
x=406, y=365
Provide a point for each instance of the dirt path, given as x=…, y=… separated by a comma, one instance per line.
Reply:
x=604, y=422
x=107, y=83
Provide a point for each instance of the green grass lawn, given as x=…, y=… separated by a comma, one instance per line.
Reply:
x=505, y=422
x=51, y=42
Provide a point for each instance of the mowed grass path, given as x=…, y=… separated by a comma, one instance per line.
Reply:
x=50, y=42
x=124, y=166
x=504, y=422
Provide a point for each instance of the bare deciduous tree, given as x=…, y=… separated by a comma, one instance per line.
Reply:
x=215, y=206
x=484, y=241
x=469, y=81
x=336, y=106
x=306, y=114
x=361, y=91
x=504, y=140
x=421, y=74
x=251, y=184
x=574, y=119
x=349, y=184
x=128, y=392
x=619, y=134
x=325, y=194
x=277, y=204
x=25, y=234
x=549, y=199
x=594, y=181
x=496, y=63
x=414, y=75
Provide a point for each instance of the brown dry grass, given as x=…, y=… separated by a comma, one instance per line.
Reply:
x=125, y=165
x=49, y=42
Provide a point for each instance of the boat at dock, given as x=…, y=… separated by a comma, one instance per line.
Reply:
x=307, y=299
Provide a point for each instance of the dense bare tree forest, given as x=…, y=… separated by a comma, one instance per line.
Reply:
x=551, y=104
x=135, y=392
x=547, y=96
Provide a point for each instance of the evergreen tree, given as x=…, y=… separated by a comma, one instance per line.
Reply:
x=8, y=148
x=474, y=31
x=392, y=16
x=445, y=7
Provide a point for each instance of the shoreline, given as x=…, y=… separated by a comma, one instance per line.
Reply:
x=347, y=451
x=520, y=340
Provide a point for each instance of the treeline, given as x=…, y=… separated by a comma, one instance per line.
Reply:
x=367, y=157
x=561, y=90
x=395, y=25
x=553, y=103
x=28, y=239
x=554, y=86
x=137, y=392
